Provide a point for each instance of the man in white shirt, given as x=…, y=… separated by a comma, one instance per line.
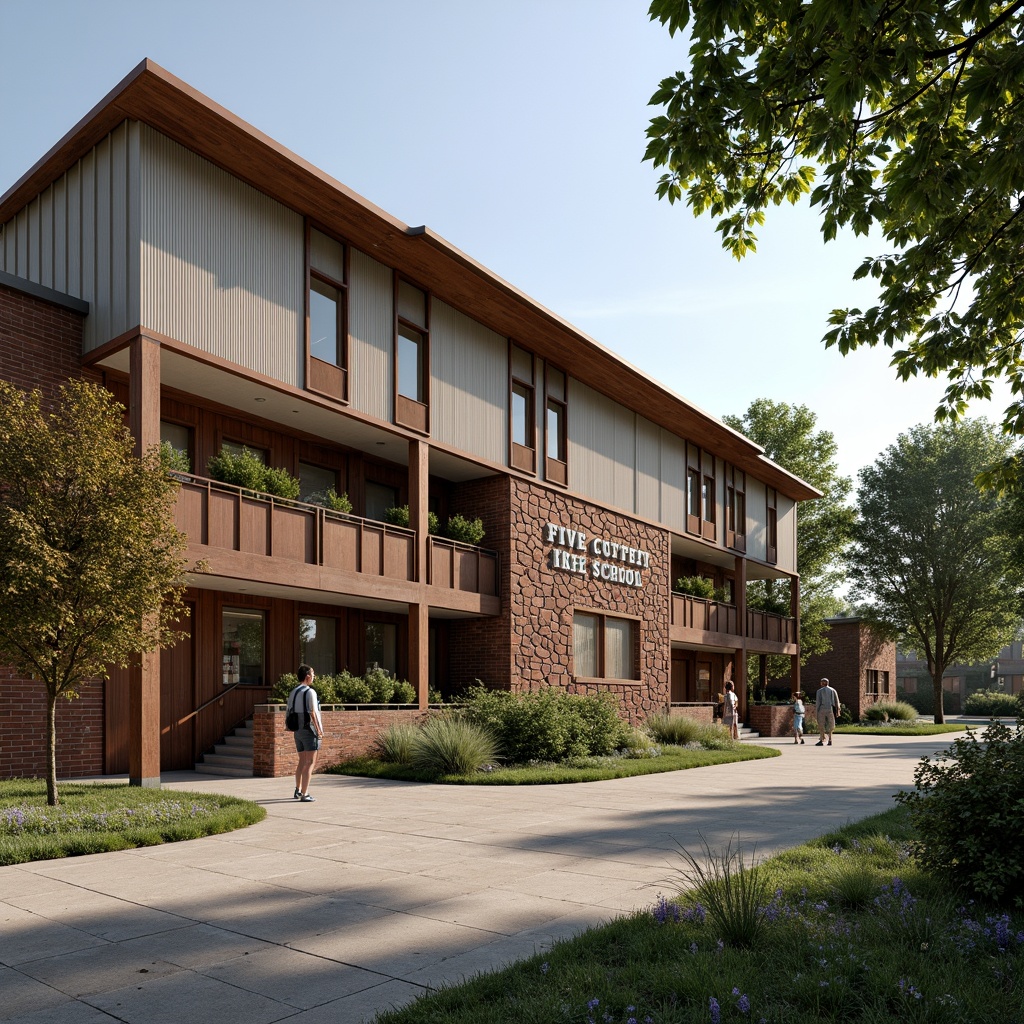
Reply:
x=310, y=732
x=827, y=709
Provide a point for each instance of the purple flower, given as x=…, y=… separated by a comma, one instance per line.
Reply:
x=743, y=1004
x=545, y=967
x=715, y=1010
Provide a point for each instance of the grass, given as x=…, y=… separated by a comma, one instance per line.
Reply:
x=593, y=769
x=852, y=931
x=95, y=818
x=901, y=728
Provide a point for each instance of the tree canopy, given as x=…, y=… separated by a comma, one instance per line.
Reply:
x=908, y=118
x=933, y=555
x=91, y=563
x=787, y=434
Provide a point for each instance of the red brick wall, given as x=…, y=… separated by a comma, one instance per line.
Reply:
x=40, y=347
x=40, y=343
x=347, y=734
x=855, y=649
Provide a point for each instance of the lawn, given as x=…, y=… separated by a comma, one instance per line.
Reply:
x=94, y=818
x=593, y=769
x=904, y=728
x=848, y=929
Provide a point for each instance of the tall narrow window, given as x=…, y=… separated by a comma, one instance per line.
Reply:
x=179, y=439
x=382, y=646
x=377, y=499
x=318, y=643
x=412, y=357
x=586, y=636
x=326, y=317
x=735, y=508
x=522, y=421
x=772, y=526
x=555, y=429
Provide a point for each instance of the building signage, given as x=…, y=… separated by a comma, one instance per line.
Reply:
x=606, y=560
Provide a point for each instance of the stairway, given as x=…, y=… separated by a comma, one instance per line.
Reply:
x=746, y=733
x=231, y=757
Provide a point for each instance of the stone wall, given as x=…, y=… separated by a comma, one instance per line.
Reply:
x=704, y=713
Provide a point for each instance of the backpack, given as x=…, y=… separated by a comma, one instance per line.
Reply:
x=292, y=720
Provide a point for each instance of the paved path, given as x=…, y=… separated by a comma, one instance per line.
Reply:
x=331, y=911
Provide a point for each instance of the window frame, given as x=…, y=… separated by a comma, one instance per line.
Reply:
x=735, y=508
x=324, y=378
x=263, y=615
x=702, y=492
x=522, y=456
x=556, y=470
x=603, y=617
x=412, y=413
x=771, y=552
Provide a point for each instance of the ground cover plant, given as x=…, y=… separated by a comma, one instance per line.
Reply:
x=890, y=711
x=895, y=728
x=95, y=818
x=847, y=928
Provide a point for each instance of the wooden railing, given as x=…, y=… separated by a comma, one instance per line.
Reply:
x=225, y=516
x=768, y=626
x=460, y=566
x=717, y=617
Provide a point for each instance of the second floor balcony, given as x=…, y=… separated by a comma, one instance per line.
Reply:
x=248, y=534
x=704, y=621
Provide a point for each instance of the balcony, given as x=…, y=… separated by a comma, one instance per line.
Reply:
x=702, y=621
x=330, y=545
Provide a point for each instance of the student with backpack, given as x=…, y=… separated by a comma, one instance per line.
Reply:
x=303, y=713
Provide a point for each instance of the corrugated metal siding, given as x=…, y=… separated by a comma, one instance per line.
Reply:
x=602, y=447
x=757, y=519
x=673, y=481
x=80, y=236
x=371, y=335
x=648, y=469
x=222, y=264
x=468, y=384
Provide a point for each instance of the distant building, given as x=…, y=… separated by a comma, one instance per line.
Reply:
x=861, y=665
x=1004, y=672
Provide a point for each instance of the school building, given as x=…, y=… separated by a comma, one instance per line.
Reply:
x=230, y=294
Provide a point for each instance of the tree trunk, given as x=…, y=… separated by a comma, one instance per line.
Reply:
x=51, y=751
x=940, y=716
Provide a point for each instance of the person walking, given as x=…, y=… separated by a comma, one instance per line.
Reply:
x=730, y=711
x=798, y=717
x=310, y=732
x=827, y=708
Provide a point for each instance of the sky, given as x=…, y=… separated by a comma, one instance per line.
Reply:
x=516, y=131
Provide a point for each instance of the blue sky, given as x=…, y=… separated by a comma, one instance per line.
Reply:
x=516, y=131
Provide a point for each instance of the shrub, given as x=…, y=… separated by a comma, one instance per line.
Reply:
x=468, y=531
x=449, y=745
x=174, y=460
x=246, y=470
x=350, y=689
x=676, y=729
x=967, y=807
x=399, y=516
x=396, y=743
x=330, y=499
x=991, y=703
x=845, y=716
x=545, y=724
x=405, y=693
x=696, y=586
x=890, y=711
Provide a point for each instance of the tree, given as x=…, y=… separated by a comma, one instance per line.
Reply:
x=913, y=115
x=787, y=435
x=91, y=566
x=933, y=554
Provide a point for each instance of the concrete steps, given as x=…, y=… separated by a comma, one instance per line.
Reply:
x=232, y=757
x=746, y=733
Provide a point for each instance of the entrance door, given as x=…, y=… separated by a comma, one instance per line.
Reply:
x=680, y=681
x=704, y=681
x=177, y=699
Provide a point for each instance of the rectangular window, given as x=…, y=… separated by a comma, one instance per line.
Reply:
x=556, y=443
x=318, y=643
x=326, y=316
x=701, y=493
x=772, y=526
x=735, y=508
x=412, y=357
x=522, y=420
x=179, y=437
x=377, y=499
x=237, y=448
x=382, y=646
x=315, y=481
x=877, y=682
x=604, y=647
x=243, y=647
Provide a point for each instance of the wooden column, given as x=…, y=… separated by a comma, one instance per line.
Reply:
x=144, y=674
x=419, y=614
x=794, y=610
x=741, y=623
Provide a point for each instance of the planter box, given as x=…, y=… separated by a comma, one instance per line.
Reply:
x=774, y=719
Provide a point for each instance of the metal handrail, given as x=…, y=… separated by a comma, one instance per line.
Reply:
x=192, y=714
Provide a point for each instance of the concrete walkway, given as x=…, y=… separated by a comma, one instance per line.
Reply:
x=331, y=911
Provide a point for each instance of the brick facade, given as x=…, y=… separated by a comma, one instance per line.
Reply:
x=856, y=648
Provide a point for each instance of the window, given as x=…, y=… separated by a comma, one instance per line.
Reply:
x=179, y=437
x=522, y=425
x=556, y=446
x=236, y=448
x=315, y=481
x=735, y=508
x=878, y=682
x=412, y=357
x=701, y=493
x=772, y=526
x=604, y=647
x=326, y=316
x=318, y=643
x=382, y=646
x=243, y=647
x=378, y=498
